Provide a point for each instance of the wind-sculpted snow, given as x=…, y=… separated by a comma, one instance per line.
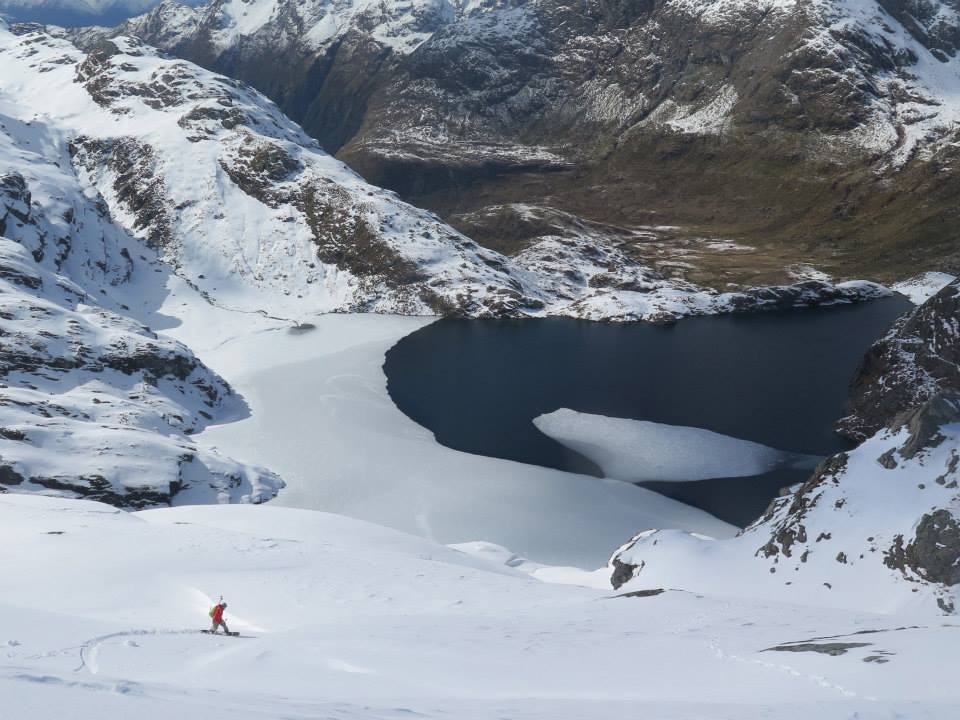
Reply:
x=637, y=450
x=95, y=405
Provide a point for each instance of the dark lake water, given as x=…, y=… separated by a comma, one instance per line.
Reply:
x=777, y=378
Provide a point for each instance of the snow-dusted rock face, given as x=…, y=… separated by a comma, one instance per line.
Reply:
x=917, y=358
x=251, y=212
x=878, y=527
x=95, y=405
x=232, y=193
x=92, y=402
x=739, y=118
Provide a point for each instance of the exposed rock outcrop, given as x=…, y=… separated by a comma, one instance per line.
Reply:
x=14, y=200
x=95, y=405
x=933, y=552
x=918, y=357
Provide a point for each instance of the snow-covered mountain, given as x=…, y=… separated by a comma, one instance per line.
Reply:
x=252, y=212
x=89, y=6
x=810, y=129
x=878, y=526
x=234, y=195
x=126, y=173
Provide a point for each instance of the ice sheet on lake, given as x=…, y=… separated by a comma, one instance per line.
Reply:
x=637, y=450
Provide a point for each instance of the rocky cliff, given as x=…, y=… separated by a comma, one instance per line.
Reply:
x=918, y=358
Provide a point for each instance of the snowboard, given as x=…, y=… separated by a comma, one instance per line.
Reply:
x=211, y=632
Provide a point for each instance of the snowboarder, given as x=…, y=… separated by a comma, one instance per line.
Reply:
x=216, y=614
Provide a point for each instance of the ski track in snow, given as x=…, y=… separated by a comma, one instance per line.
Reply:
x=371, y=623
x=368, y=621
x=790, y=671
x=89, y=651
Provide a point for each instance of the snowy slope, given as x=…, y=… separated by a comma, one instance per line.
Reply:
x=95, y=405
x=93, y=402
x=235, y=196
x=876, y=527
x=341, y=619
x=921, y=288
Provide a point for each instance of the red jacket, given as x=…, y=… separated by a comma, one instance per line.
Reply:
x=218, y=613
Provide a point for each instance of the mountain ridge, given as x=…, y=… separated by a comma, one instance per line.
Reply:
x=810, y=131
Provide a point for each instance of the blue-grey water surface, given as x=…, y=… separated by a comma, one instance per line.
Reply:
x=777, y=378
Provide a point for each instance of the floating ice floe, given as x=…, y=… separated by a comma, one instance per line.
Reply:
x=637, y=450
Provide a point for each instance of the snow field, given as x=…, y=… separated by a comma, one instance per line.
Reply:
x=851, y=525
x=343, y=619
x=322, y=419
x=921, y=288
